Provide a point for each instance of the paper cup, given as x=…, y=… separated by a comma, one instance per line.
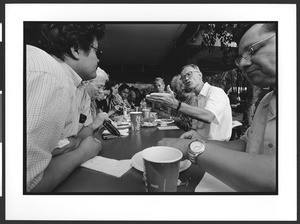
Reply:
x=161, y=168
x=136, y=118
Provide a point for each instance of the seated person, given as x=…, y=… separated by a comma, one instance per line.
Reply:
x=162, y=110
x=124, y=92
x=95, y=90
x=110, y=93
x=182, y=121
x=211, y=111
x=102, y=101
x=134, y=97
x=55, y=73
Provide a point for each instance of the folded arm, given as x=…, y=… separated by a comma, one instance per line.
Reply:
x=63, y=165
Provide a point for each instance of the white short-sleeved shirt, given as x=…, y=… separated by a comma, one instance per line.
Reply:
x=216, y=101
x=53, y=98
x=260, y=137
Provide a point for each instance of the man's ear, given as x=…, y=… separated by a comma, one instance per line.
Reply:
x=74, y=52
x=200, y=74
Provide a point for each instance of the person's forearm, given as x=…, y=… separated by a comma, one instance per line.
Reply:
x=242, y=171
x=197, y=113
x=237, y=145
x=84, y=132
x=58, y=169
x=111, y=112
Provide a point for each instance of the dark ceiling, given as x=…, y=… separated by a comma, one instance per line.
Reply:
x=140, y=52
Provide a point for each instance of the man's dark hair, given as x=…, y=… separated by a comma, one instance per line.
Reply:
x=123, y=86
x=58, y=38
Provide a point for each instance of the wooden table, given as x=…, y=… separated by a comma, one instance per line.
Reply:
x=86, y=181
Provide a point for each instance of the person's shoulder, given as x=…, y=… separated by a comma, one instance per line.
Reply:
x=268, y=97
x=217, y=90
x=40, y=61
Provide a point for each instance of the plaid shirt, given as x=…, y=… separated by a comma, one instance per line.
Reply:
x=54, y=97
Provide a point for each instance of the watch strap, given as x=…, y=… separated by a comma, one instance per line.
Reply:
x=178, y=106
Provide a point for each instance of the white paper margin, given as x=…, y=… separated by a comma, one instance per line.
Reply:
x=189, y=207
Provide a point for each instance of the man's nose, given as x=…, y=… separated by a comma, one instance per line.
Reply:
x=245, y=63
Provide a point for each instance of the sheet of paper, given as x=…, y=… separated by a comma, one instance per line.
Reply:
x=211, y=184
x=109, y=166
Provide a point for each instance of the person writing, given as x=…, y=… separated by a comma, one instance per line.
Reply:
x=247, y=164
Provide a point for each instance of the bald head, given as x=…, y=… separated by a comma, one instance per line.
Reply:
x=257, y=55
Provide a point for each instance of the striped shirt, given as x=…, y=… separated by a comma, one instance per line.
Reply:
x=54, y=97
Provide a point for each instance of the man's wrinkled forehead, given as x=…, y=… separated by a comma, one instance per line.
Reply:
x=252, y=35
x=188, y=70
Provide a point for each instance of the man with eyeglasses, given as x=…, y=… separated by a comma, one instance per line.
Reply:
x=210, y=111
x=247, y=164
x=66, y=56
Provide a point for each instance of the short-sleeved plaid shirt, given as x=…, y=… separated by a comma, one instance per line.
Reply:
x=54, y=94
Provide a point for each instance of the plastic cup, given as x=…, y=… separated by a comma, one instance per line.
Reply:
x=161, y=168
x=136, y=118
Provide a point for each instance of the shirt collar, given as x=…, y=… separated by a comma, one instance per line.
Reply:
x=205, y=89
x=71, y=73
x=270, y=102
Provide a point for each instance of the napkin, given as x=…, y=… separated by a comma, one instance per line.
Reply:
x=63, y=142
x=171, y=127
x=109, y=166
x=236, y=124
x=209, y=183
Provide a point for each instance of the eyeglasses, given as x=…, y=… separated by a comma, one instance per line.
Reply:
x=250, y=51
x=98, y=52
x=189, y=75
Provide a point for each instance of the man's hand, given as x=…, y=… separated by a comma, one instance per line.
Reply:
x=167, y=99
x=89, y=147
x=191, y=135
x=178, y=143
x=98, y=121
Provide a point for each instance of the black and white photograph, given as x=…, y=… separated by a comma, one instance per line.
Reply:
x=150, y=109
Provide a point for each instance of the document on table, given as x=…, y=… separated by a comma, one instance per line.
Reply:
x=109, y=166
x=211, y=184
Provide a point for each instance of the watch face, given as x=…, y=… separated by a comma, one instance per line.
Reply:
x=197, y=146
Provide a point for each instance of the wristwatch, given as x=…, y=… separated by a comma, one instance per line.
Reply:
x=196, y=148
